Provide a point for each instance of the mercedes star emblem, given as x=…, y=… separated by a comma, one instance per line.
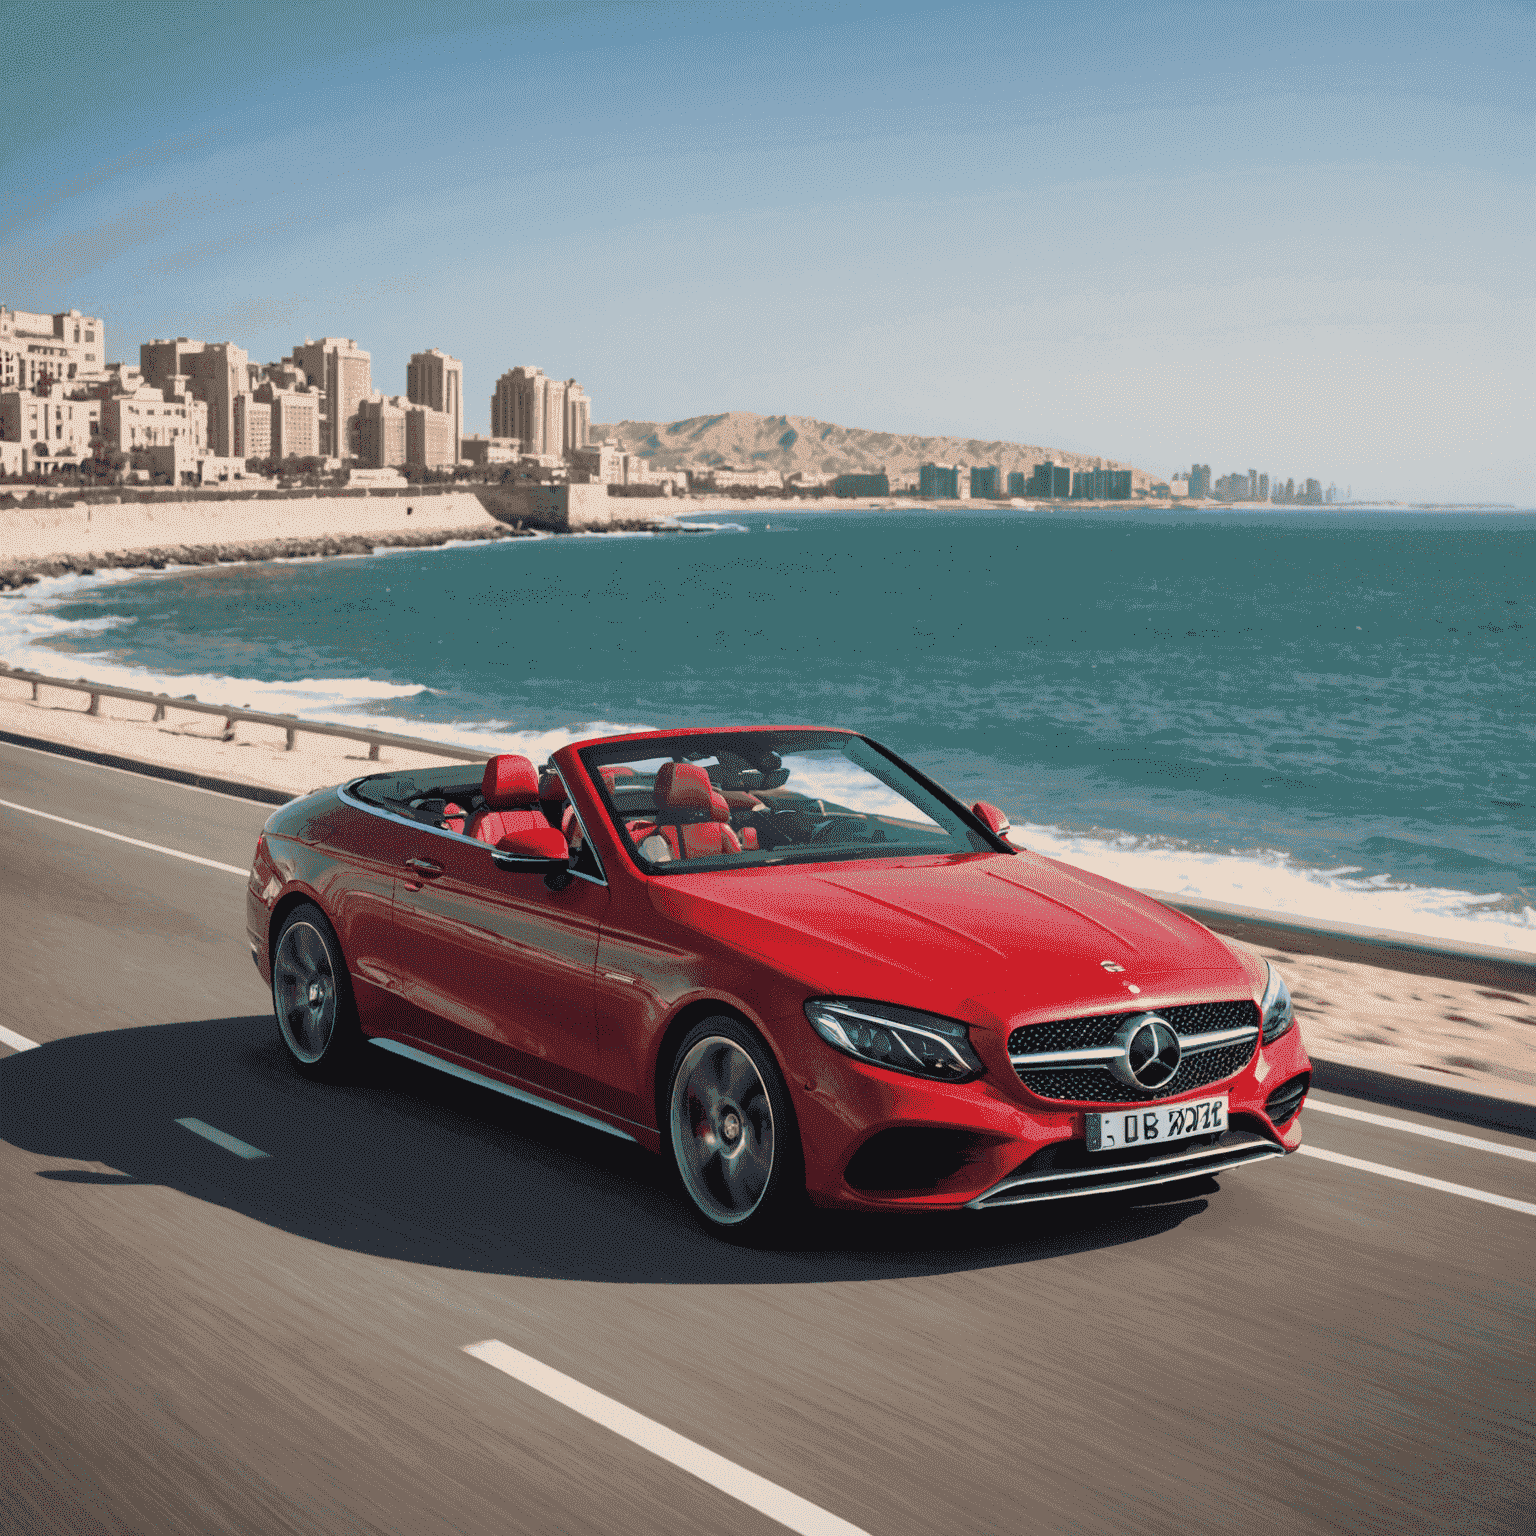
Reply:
x=1149, y=1052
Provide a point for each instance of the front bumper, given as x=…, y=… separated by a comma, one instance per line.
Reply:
x=1116, y=1172
x=1012, y=1147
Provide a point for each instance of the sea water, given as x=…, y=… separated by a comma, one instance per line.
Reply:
x=1324, y=713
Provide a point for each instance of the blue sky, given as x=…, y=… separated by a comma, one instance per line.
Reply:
x=1295, y=237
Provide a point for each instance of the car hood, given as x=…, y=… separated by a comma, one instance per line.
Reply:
x=980, y=936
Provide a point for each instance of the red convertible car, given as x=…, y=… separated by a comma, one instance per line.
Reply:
x=783, y=958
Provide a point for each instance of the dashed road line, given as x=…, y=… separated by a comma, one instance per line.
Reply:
x=220, y=1138
x=16, y=1042
x=175, y=853
x=779, y=1504
x=1454, y=1137
x=1525, y=1207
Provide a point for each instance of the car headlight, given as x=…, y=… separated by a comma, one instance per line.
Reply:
x=1275, y=1007
x=902, y=1039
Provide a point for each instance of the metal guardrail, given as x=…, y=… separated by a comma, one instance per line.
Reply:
x=292, y=724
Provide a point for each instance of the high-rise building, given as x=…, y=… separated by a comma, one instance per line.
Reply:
x=549, y=417
x=252, y=427
x=217, y=372
x=1050, y=481
x=1263, y=487
x=429, y=439
x=1200, y=482
x=942, y=482
x=297, y=421
x=381, y=431
x=1018, y=483
x=986, y=482
x=436, y=380
x=67, y=347
x=343, y=374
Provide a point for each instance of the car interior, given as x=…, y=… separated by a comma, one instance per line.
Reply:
x=702, y=801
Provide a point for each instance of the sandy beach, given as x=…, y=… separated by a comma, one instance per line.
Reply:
x=1476, y=1036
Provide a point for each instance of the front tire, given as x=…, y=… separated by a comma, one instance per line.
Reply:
x=733, y=1135
x=312, y=996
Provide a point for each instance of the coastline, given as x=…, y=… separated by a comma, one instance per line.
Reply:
x=1457, y=1026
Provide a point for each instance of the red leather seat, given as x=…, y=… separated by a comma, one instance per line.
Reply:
x=743, y=803
x=510, y=788
x=453, y=818
x=690, y=814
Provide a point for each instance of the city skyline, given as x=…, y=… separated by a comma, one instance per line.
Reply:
x=818, y=212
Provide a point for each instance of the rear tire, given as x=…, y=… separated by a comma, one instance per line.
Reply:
x=733, y=1135
x=312, y=997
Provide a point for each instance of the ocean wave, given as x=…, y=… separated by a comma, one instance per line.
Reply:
x=1272, y=881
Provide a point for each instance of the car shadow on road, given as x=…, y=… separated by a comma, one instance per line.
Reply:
x=408, y=1164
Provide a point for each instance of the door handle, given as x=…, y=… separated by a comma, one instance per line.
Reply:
x=425, y=868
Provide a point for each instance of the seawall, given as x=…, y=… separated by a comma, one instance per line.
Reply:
x=75, y=534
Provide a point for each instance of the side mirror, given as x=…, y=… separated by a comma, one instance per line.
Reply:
x=994, y=818
x=535, y=851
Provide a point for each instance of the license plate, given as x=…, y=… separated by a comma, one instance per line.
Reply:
x=1116, y=1130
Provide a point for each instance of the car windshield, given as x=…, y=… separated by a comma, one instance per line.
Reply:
x=730, y=800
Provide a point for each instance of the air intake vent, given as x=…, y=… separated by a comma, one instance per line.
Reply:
x=1284, y=1102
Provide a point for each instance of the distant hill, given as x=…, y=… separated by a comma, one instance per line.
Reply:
x=801, y=443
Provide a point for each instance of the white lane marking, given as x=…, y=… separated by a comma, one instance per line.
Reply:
x=175, y=853
x=220, y=1138
x=789, y=1509
x=86, y=762
x=1455, y=1137
x=1523, y=1206
x=16, y=1042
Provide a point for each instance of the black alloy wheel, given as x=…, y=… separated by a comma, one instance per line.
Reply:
x=312, y=996
x=732, y=1134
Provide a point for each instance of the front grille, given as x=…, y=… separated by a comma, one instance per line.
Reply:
x=1099, y=1029
x=1097, y=1085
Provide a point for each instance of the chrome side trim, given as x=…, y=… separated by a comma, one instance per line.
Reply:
x=1097, y=1055
x=345, y=795
x=453, y=1069
x=1024, y=1189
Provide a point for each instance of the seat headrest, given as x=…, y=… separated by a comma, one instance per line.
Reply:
x=719, y=808
x=616, y=771
x=683, y=787
x=509, y=781
x=552, y=787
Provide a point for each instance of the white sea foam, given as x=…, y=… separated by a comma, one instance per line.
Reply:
x=1270, y=880
x=1273, y=881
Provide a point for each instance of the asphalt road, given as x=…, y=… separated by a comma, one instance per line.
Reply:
x=195, y=1341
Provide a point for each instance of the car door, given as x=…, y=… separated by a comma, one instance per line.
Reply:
x=496, y=967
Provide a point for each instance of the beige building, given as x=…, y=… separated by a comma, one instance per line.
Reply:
x=381, y=432
x=296, y=422
x=726, y=477
x=51, y=430
x=167, y=416
x=479, y=449
x=549, y=417
x=429, y=439
x=252, y=425
x=342, y=372
x=218, y=371
x=67, y=347
x=436, y=380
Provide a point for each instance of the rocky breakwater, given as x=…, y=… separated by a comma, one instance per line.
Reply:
x=59, y=539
